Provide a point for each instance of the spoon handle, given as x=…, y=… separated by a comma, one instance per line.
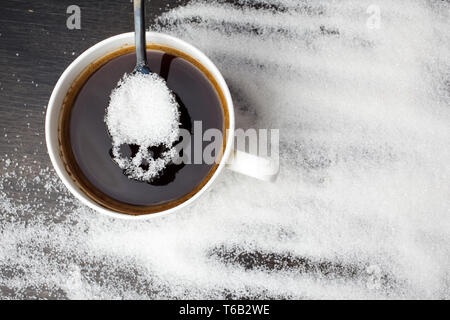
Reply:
x=139, y=28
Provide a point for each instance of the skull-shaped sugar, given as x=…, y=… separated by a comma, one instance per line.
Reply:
x=143, y=112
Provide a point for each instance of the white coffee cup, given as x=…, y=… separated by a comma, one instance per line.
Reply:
x=245, y=163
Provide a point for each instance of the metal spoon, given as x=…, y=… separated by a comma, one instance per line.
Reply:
x=139, y=30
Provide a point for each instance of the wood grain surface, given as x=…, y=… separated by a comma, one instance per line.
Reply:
x=35, y=48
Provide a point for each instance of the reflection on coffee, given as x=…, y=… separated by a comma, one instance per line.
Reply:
x=86, y=145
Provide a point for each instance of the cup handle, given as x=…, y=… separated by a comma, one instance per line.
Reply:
x=261, y=168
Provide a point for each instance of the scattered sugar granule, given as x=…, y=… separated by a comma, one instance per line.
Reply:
x=143, y=111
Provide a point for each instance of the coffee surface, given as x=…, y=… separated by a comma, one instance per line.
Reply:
x=91, y=144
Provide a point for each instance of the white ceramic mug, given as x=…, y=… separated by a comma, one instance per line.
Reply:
x=235, y=160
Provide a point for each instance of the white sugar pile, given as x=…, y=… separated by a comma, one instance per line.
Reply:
x=143, y=111
x=361, y=206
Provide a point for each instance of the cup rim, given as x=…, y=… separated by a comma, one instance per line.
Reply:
x=54, y=108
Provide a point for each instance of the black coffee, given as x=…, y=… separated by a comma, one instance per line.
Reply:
x=89, y=155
